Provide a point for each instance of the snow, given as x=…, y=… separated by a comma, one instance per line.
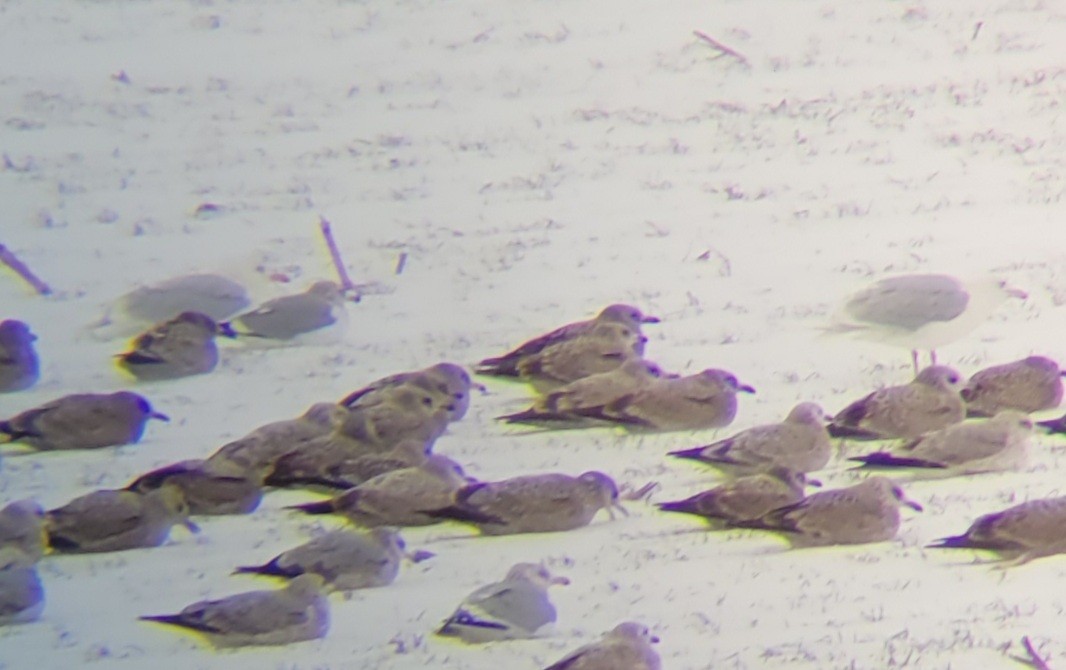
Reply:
x=534, y=162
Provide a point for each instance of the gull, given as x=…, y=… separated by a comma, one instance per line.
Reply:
x=514, y=608
x=290, y=316
x=1021, y=533
x=182, y=346
x=507, y=365
x=448, y=383
x=992, y=445
x=930, y=402
x=345, y=559
x=1029, y=385
x=601, y=349
x=397, y=498
x=859, y=514
x=210, y=487
x=335, y=463
x=83, y=421
x=308, y=462
x=409, y=413
x=115, y=520
x=800, y=443
x=214, y=295
x=532, y=503
x=21, y=593
x=707, y=399
x=298, y=612
x=22, y=527
x=19, y=366
x=257, y=451
x=921, y=311
x=589, y=392
x=744, y=498
x=627, y=647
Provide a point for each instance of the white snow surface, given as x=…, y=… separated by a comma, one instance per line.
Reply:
x=532, y=162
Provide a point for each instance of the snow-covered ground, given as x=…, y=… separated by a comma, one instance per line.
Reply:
x=533, y=162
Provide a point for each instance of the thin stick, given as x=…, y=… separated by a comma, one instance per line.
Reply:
x=629, y=493
x=1034, y=658
x=8, y=258
x=346, y=282
x=721, y=47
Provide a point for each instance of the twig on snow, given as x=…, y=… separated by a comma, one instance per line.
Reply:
x=718, y=46
x=1034, y=660
x=629, y=493
x=8, y=258
x=346, y=281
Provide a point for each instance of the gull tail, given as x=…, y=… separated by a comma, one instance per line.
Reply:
x=534, y=416
x=180, y=621
x=465, y=514
x=958, y=542
x=463, y=619
x=272, y=569
x=682, y=506
x=1052, y=425
x=497, y=367
x=883, y=459
x=967, y=541
x=321, y=507
x=837, y=430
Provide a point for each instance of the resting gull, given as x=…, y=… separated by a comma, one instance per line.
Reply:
x=347, y=559
x=799, y=443
x=1024, y=532
x=865, y=512
x=626, y=647
x=931, y=401
x=19, y=366
x=744, y=498
x=82, y=421
x=1031, y=384
x=514, y=608
x=182, y=346
x=298, y=612
x=991, y=445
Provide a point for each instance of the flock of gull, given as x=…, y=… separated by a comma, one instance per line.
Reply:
x=373, y=453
